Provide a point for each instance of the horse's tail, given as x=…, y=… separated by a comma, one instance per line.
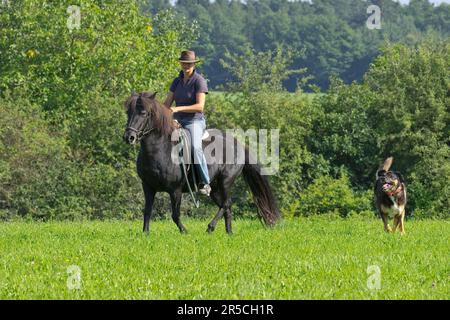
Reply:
x=261, y=190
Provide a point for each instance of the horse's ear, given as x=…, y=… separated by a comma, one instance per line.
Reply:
x=153, y=96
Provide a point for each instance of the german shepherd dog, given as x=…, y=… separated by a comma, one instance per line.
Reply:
x=390, y=196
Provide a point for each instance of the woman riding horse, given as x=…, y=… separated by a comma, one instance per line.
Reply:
x=188, y=91
x=150, y=123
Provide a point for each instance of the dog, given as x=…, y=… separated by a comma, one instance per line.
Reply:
x=390, y=196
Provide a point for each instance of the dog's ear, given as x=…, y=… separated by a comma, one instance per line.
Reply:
x=380, y=173
x=399, y=175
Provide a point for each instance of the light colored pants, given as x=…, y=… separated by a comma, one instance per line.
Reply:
x=196, y=128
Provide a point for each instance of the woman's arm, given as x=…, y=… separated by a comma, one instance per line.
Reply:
x=169, y=99
x=198, y=107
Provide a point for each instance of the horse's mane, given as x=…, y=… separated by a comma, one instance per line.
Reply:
x=162, y=119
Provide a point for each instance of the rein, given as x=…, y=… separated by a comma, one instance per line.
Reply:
x=183, y=141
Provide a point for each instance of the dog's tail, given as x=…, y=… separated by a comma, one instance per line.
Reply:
x=387, y=164
x=385, y=167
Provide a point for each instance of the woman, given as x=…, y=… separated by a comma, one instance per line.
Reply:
x=189, y=91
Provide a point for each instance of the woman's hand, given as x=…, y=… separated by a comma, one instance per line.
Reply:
x=174, y=109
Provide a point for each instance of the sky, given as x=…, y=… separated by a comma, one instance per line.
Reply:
x=432, y=1
x=401, y=1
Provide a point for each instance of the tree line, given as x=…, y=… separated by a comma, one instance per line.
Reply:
x=332, y=37
x=62, y=88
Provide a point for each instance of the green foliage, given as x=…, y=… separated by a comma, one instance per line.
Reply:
x=256, y=72
x=333, y=33
x=327, y=195
x=43, y=178
x=343, y=133
x=262, y=103
x=28, y=150
x=412, y=106
x=401, y=109
x=115, y=50
x=62, y=91
x=97, y=135
x=61, y=103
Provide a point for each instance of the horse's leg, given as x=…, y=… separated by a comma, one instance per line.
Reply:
x=149, y=196
x=175, y=198
x=228, y=219
x=212, y=224
x=216, y=196
x=227, y=184
x=220, y=195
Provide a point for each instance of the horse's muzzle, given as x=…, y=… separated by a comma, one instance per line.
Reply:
x=130, y=137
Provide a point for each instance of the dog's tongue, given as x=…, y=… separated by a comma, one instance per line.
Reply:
x=386, y=186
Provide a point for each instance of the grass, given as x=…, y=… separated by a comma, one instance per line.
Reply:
x=314, y=258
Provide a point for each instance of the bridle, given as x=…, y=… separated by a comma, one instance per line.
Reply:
x=143, y=132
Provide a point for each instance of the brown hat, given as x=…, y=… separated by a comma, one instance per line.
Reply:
x=188, y=57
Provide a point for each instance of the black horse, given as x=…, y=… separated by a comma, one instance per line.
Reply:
x=151, y=124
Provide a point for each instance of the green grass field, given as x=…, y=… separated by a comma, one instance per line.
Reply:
x=315, y=258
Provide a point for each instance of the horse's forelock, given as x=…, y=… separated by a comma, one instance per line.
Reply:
x=130, y=103
x=146, y=103
x=162, y=116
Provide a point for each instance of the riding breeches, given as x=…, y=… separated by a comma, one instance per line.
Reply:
x=196, y=128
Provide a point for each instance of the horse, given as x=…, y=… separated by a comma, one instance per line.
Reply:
x=151, y=124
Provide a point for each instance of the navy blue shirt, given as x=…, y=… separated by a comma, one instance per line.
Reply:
x=184, y=94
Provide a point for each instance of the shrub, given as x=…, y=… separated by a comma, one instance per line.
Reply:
x=330, y=196
x=41, y=177
x=29, y=154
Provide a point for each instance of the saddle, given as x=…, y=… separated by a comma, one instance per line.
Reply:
x=185, y=143
x=178, y=125
x=182, y=137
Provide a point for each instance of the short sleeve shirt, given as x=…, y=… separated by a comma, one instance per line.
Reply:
x=184, y=94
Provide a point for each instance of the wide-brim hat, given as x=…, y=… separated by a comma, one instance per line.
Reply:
x=188, y=56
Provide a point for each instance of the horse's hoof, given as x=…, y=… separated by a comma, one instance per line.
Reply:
x=210, y=229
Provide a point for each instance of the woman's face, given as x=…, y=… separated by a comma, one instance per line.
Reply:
x=187, y=67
